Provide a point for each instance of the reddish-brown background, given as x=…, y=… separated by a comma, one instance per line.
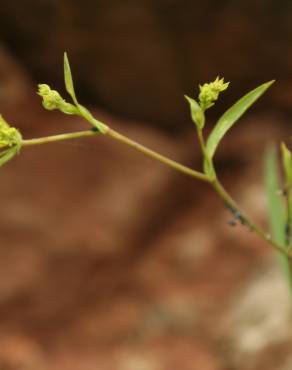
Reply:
x=109, y=260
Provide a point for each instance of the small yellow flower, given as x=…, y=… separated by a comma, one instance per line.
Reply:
x=209, y=92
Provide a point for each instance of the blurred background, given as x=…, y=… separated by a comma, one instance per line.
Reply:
x=109, y=260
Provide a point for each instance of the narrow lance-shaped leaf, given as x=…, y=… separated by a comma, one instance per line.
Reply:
x=287, y=164
x=287, y=167
x=276, y=209
x=197, y=113
x=7, y=155
x=68, y=79
x=82, y=111
x=228, y=119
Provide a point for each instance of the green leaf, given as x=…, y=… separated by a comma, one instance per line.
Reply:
x=82, y=111
x=287, y=167
x=8, y=154
x=197, y=113
x=228, y=119
x=68, y=79
x=287, y=164
x=276, y=210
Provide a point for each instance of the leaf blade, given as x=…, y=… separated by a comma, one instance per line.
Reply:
x=287, y=163
x=8, y=154
x=197, y=113
x=230, y=117
x=68, y=79
x=276, y=211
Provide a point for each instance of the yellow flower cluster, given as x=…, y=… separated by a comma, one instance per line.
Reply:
x=9, y=136
x=209, y=92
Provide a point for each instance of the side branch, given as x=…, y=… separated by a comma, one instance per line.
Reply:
x=123, y=139
x=230, y=203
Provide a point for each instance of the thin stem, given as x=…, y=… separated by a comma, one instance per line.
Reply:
x=207, y=163
x=289, y=218
x=60, y=137
x=230, y=203
x=202, y=141
x=150, y=153
x=288, y=225
x=243, y=219
x=121, y=138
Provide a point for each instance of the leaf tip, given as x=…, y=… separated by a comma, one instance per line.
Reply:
x=270, y=83
x=68, y=79
x=66, y=64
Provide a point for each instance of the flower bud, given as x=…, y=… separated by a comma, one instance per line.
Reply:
x=209, y=92
x=9, y=136
x=53, y=100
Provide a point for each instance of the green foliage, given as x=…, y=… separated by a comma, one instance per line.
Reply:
x=287, y=170
x=276, y=208
x=69, y=80
x=231, y=116
x=82, y=111
x=280, y=220
x=197, y=113
x=287, y=165
x=280, y=216
x=8, y=154
x=209, y=93
x=53, y=100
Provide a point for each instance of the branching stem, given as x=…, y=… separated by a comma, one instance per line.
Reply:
x=121, y=138
x=214, y=182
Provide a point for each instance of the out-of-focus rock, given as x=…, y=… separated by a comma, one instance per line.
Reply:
x=260, y=317
x=19, y=352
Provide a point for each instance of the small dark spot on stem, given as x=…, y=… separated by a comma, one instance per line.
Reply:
x=232, y=223
x=287, y=233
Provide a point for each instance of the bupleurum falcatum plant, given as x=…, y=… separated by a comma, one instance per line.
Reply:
x=280, y=212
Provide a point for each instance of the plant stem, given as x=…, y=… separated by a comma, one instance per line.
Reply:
x=289, y=218
x=202, y=142
x=242, y=218
x=150, y=153
x=60, y=137
x=288, y=232
x=121, y=138
x=232, y=205
x=214, y=182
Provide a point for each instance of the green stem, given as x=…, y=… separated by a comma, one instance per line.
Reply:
x=288, y=226
x=243, y=219
x=202, y=142
x=150, y=153
x=230, y=203
x=289, y=218
x=60, y=137
x=121, y=138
